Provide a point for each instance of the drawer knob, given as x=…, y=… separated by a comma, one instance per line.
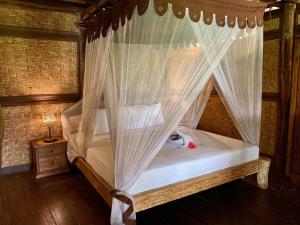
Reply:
x=51, y=151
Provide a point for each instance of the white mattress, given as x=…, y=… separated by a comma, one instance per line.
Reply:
x=171, y=165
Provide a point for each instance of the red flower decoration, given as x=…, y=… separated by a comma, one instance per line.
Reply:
x=191, y=145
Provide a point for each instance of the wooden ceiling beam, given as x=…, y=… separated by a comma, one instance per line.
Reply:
x=81, y=2
x=50, y=5
x=91, y=9
x=37, y=33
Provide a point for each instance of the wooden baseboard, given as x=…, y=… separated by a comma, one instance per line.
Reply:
x=15, y=169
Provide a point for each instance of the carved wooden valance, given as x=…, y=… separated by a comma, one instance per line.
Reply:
x=114, y=13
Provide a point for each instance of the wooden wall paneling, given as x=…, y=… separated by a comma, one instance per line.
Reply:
x=271, y=35
x=78, y=72
x=38, y=18
x=37, y=33
x=297, y=31
x=266, y=96
x=273, y=14
x=297, y=22
x=38, y=99
x=272, y=87
x=1, y=134
x=80, y=57
x=41, y=24
x=40, y=34
x=295, y=154
x=271, y=122
x=271, y=71
x=272, y=26
x=81, y=61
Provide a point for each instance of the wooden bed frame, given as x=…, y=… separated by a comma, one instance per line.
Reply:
x=158, y=196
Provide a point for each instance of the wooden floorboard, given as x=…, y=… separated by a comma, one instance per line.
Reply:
x=70, y=200
x=37, y=205
x=4, y=210
x=17, y=202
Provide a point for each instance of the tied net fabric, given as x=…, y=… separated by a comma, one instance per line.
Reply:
x=155, y=72
x=69, y=129
x=239, y=83
x=157, y=68
x=96, y=62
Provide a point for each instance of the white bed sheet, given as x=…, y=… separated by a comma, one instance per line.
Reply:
x=214, y=152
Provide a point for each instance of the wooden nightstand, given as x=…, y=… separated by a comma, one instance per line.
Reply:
x=49, y=158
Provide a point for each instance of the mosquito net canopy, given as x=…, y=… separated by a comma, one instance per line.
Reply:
x=155, y=71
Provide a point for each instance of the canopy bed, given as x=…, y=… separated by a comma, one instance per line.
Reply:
x=149, y=71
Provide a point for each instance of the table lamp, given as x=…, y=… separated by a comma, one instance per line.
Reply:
x=49, y=120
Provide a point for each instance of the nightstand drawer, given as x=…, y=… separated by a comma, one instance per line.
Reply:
x=52, y=163
x=49, y=158
x=50, y=151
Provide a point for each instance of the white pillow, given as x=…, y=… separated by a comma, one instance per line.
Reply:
x=74, y=121
x=142, y=116
x=96, y=140
x=102, y=126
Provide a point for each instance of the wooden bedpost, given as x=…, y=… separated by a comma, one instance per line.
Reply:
x=288, y=22
x=263, y=173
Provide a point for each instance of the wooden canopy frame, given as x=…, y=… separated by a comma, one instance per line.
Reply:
x=103, y=14
x=158, y=196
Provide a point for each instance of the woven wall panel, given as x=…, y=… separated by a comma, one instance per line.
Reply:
x=24, y=123
x=36, y=18
x=270, y=66
x=29, y=66
x=215, y=119
x=273, y=24
x=269, y=127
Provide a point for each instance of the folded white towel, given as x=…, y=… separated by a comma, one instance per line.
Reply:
x=180, y=139
x=176, y=141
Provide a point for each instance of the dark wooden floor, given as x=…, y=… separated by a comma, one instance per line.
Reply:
x=70, y=200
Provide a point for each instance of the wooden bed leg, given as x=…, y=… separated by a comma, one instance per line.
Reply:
x=263, y=173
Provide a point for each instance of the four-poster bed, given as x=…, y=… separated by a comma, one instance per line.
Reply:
x=156, y=73
x=155, y=197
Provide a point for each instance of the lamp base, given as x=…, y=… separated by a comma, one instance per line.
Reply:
x=49, y=140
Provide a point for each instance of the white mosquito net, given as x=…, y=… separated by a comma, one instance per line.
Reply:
x=156, y=72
